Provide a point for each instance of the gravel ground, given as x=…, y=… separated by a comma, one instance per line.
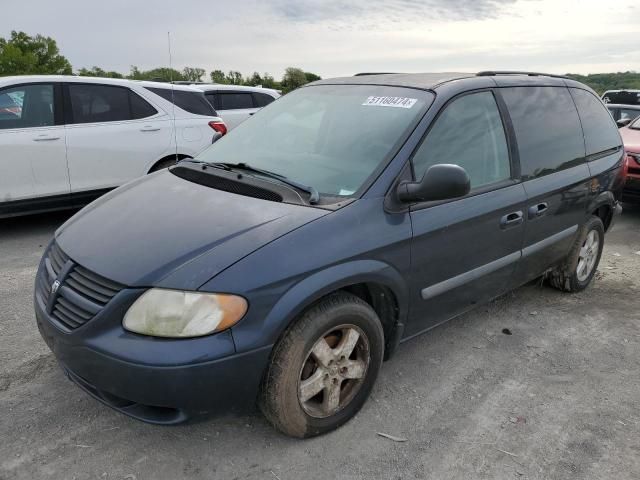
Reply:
x=559, y=398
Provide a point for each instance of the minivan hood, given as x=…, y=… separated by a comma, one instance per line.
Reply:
x=164, y=231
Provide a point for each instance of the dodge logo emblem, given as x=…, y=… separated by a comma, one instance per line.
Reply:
x=54, y=287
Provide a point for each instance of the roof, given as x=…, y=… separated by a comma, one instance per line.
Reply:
x=425, y=81
x=75, y=78
x=431, y=81
x=238, y=88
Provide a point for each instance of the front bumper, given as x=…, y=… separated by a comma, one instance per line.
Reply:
x=154, y=380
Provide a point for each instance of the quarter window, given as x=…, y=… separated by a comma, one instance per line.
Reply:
x=262, y=99
x=140, y=108
x=547, y=129
x=469, y=133
x=27, y=106
x=192, y=102
x=600, y=132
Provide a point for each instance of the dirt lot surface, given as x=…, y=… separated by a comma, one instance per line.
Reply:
x=559, y=398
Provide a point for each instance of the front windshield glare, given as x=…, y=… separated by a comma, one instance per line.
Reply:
x=331, y=137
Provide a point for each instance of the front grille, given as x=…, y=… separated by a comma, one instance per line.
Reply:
x=81, y=295
x=634, y=171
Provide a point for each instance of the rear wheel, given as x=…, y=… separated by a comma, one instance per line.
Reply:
x=582, y=262
x=323, y=369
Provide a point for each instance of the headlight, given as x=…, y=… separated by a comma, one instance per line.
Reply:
x=172, y=313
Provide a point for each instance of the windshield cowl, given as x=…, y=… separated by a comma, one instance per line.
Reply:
x=249, y=185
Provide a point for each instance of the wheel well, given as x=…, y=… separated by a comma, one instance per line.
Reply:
x=175, y=157
x=384, y=302
x=605, y=213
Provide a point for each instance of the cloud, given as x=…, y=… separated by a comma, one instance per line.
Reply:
x=313, y=11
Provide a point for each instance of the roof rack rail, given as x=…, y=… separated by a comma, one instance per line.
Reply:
x=364, y=74
x=493, y=73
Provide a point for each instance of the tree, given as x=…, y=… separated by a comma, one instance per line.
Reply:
x=160, y=74
x=25, y=55
x=234, y=78
x=98, y=72
x=193, y=74
x=293, y=78
x=269, y=82
x=312, y=77
x=254, y=80
x=217, y=76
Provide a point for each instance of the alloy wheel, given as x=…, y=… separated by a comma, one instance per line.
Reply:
x=334, y=371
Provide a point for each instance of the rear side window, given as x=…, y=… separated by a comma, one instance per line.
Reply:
x=547, y=129
x=233, y=101
x=27, y=106
x=99, y=103
x=468, y=133
x=192, y=102
x=600, y=132
x=262, y=99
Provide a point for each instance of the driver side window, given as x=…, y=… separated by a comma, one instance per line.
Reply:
x=469, y=133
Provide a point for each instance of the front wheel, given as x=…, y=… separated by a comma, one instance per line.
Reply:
x=324, y=368
x=582, y=262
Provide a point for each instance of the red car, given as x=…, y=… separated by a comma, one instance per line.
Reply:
x=631, y=138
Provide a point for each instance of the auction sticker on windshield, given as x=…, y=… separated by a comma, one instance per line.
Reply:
x=399, y=102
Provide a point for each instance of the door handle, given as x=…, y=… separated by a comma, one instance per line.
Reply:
x=538, y=210
x=511, y=220
x=45, y=138
x=149, y=128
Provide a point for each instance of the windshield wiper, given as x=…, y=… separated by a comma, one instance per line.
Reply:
x=314, y=196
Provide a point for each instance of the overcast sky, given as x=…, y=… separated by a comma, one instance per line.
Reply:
x=339, y=37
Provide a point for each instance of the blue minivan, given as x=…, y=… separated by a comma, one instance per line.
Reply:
x=287, y=261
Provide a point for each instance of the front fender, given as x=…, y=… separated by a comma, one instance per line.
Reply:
x=256, y=332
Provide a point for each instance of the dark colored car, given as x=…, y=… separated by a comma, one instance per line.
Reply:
x=631, y=138
x=294, y=255
x=622, y=97
x=623, y=114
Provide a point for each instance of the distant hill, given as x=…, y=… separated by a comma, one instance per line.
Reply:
x=601, y=82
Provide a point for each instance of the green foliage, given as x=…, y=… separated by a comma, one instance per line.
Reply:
x=22, y=54
x=217, y=76
x=269, y=82
x=312, y=77
x=98, y=72
x=234, y=78
x=160, y=74
x=602, y=82
x=193, y=74
x=293, y=78
x=254, y=80
x=25, y=55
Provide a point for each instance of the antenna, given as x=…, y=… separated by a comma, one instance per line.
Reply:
x=173, y=100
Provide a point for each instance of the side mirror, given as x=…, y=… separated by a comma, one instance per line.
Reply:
x=440, y=182
x=623, y=122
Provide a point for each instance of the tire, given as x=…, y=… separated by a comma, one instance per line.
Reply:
x=300, y=363
x=578, y=269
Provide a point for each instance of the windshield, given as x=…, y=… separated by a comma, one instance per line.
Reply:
x=635, y=124
x=330, y=137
